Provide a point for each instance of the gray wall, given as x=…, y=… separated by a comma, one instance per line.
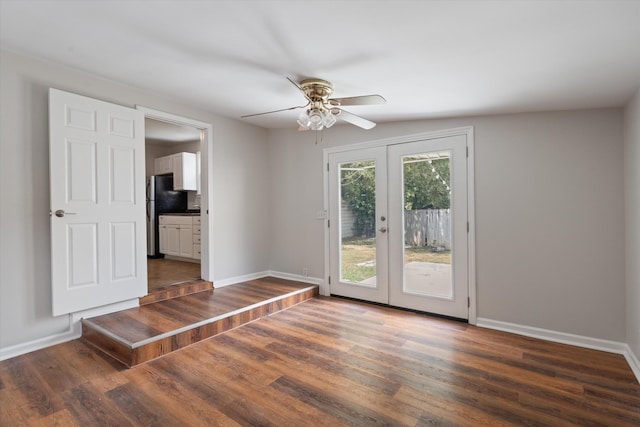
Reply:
x=549, y=213
x=239, y=172
x=552, y=256
x=632, y=223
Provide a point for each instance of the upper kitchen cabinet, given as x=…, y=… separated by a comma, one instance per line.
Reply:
x=163, y=165
x=183, y=168
x=184, y=171
x=198, y=173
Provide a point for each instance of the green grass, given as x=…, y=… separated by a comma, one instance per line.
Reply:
x=363, y=251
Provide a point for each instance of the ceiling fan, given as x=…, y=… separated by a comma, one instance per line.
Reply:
x=321, y=111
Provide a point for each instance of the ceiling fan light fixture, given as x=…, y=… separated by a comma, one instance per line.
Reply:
x=303, y=119
x=329, y=119
x=316, y=120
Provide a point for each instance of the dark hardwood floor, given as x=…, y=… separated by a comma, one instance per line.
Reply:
x=163, y=272
x=328, y=362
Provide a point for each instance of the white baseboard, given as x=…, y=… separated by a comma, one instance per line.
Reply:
x=633, y=362
x=239, y=279
x=259, y=275
x=105, y=309
x=74, y=332
x=297, y=278
x=565, y=338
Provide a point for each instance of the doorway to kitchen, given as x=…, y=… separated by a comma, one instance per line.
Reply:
x=177, y=159
x=400, y=223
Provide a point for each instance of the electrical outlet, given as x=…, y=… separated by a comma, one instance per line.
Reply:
x=305, y=272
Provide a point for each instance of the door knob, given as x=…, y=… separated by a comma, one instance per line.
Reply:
x=383, y=229
x=60, y=213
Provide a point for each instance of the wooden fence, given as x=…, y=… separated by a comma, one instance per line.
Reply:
x=347, y=220
x=428, y=227
x=424, y=227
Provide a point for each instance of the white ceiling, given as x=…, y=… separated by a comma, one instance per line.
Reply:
x=427, y=58
x=159, y=132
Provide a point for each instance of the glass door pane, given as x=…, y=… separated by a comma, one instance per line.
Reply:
x=358, y=222
x=427, y=224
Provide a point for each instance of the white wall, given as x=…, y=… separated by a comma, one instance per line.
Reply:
x=549, y=213
x=239, y=168
x=632, y=220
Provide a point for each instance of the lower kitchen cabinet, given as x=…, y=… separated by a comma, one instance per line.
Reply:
x=178, y=236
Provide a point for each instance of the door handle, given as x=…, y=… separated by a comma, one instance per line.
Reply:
x=60, y=213
x=382, y=229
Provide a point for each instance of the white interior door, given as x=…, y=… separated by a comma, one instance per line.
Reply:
x=98, y=242
x=410, y=251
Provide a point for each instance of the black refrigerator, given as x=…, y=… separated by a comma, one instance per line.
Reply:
x=161, y=199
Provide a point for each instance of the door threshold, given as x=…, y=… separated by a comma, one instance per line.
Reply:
x=425, y=313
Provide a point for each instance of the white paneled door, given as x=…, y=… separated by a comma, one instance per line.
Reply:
x=98, y=241
x=398, y=225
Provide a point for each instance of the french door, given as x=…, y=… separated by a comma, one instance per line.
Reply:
x=398, y=225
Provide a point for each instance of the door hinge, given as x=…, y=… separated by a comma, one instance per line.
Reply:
x=467, y=152
x=328, y=223
x=467, y=226
x=327, y=167
x=329, y=279
x=468, y=302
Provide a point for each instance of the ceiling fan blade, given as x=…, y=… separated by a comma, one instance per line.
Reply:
x=294, y=83
x=274, y=111
x=356, y=120
x=360, y=100
x=300, y=89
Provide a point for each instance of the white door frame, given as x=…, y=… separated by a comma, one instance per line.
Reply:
x=467, y=131
x=206, y=196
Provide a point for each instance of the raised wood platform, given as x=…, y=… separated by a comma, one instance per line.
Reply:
x=175, y=291
x=144, y=333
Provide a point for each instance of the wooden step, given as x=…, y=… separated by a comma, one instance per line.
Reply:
x=174, y=291
x=140, y=334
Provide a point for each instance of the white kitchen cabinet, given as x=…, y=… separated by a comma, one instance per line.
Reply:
x=184, y=172
x=183, y=166
x=198, y=173
x=173, y=239
x=163, y=238
x=180, y=236
x=196, y=237
x=163, y=165
x=186, y=241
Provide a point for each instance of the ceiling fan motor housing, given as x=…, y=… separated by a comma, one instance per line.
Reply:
x=317, y=90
